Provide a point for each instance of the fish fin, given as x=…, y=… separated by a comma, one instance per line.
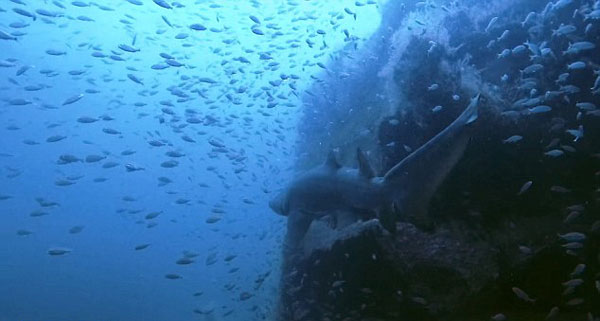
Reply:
x=331, y=161
x=297, y=226
x=413, y=181
x=364, y=167
x=470, y=114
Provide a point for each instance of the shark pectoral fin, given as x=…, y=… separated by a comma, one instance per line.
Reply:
x=364, y=167
x=298, y=224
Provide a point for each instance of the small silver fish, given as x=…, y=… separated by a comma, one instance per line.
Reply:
x=491, y=24
x=563, y=30
x=578, y=65
x=539, y=109
x=572, y=237
x=58, y=251
x=72, y=99
x=522, y=295
x=525, y=187
x=559, y=189
x=554, y=153
x=573, y=283
x=553, y=313
x=572, y=216
x=504, y=35
x=577, y=133
x=512, y=139
x=573, y=246
x=580, y=268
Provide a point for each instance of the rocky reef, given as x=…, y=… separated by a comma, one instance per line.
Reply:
x=362, y=272
x=517, y=222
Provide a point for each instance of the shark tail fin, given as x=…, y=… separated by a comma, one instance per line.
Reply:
x=413, y=181
x=471, y=113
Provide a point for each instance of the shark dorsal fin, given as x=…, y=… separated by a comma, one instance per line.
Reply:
x=331, y=161
x=364, y=168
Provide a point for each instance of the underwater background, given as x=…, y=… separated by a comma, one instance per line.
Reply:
x=141, y=142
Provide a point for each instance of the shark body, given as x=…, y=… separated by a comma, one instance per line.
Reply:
x=405, y=189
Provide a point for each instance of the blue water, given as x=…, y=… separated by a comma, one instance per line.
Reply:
x=72, y=49
x=142, y=140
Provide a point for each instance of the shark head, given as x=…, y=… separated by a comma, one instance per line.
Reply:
x=279, y=204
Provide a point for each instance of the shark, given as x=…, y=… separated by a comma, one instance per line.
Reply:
x=404, y=191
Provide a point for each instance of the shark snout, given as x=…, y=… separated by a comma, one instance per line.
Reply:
x=277, y=204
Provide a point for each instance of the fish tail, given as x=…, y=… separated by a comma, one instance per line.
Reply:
x=471, y=113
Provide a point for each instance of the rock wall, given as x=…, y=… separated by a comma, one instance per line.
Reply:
x=498, y=214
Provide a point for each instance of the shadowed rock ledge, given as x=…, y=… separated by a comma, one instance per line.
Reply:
x=362, y=272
